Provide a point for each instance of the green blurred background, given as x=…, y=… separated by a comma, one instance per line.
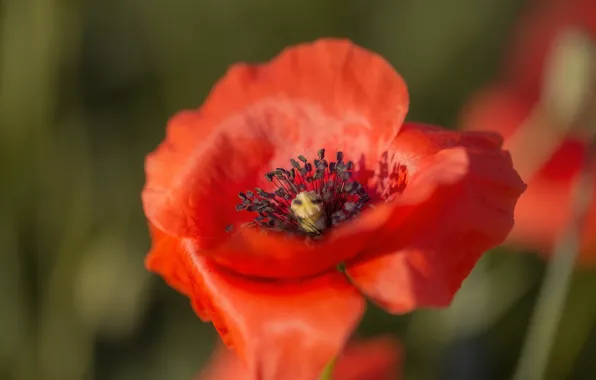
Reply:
x=86, y=90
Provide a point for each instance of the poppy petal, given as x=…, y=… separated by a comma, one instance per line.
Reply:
x=371, y=359
x=458, y=204
x=256, y=119
x=277, y=327
x=260, y=253
x=167, y=258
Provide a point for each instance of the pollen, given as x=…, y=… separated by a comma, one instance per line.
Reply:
x=307, y=199
x=307, y=207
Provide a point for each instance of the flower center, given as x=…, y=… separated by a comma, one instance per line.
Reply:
x=307, y=208
x=309, y=198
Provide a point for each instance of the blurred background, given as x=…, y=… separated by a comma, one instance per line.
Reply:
x=86, y=88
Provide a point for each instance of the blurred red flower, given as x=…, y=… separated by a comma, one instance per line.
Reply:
x=370, y=359
x=256, y=247
x=534, y=35
x=512, y=106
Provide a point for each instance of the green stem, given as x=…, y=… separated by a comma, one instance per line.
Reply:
x=328, y=371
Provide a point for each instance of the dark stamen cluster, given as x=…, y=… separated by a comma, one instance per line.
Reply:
x=341, y=196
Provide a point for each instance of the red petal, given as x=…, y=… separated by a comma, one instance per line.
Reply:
x=277, y=328
x=458, y=204
x=536, y=227
x=260, y=253
x=167, y=258
x=329, y=94
x=372, y=359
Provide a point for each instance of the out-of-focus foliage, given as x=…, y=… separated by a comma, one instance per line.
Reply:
x=85, y=91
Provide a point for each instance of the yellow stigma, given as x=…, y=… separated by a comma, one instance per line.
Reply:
x=308, y=209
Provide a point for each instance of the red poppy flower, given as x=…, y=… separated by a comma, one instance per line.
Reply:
x=295, y=167
x=511, y=107
x=371, y=359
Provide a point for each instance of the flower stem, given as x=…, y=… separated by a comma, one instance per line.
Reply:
x=328, y=371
